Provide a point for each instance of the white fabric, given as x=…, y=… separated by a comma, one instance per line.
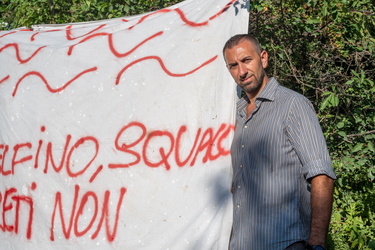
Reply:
x=97, y=119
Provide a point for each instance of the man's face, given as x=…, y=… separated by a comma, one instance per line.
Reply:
x=246, y=65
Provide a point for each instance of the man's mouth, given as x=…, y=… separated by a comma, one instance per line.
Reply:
x=244, y=80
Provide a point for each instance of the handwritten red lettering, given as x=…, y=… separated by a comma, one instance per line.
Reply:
x=125, y=147
x=22, y=160
x=164, y=156
x=58, y=202
x=4, y=149
x=11, y=223
x=30, y=203
x=91, y=212
x=49, y=156
x=144, y=147
x=75, y=146
x=210, y=145
x=40, y=143
x=76, y=214
x=178, y=146
x=206, y=140
x=81, y=211
x=98, y=170
x=36, y=162
x=106, y=216
x=6, y=208
x=155, y=148
x=223, y=137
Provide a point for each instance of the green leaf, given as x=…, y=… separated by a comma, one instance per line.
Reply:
x=330, y=101
x=370, y=146
x=313, y=21
x=324, y=104
x=340, y=125
x=334, y=100
x=349, y=82
x=342, y=133
x=370, y=175
x=357, y=147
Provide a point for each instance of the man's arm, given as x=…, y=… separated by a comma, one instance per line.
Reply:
x=321, y=208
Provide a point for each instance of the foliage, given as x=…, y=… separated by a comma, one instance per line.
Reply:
x=325, y=50
x=20, y=13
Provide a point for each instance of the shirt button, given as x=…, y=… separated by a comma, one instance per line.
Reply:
x=239, y=186
x=238, y=205
x=241, y=166
x=245, y=126
x=242, y=146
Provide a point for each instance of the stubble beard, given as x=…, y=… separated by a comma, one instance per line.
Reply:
x=253, y=88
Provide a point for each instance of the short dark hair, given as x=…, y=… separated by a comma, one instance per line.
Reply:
x=236, y=39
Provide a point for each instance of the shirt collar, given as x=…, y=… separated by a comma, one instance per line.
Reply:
x=267, y=93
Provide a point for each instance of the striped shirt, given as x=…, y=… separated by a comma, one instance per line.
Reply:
x=274, y=152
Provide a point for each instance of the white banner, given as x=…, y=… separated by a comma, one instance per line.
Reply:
x=116, y=134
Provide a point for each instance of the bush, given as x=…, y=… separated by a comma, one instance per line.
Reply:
x=324, y=49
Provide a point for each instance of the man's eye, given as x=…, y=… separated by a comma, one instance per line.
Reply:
x=232, y=66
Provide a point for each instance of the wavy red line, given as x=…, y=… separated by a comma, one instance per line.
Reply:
x=69, y=34
x=111, y=46
x=183, y=17
x=70, y=51
x=12, y=32
x=50, y=89
x=4, y=79
x=223, y=10
x=147, y=16
x=162, y=66
x=32, y=38
x=7, y=34
x=15, y=45
x=118, y=54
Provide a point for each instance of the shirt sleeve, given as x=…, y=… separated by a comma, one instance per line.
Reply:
x=307, y=138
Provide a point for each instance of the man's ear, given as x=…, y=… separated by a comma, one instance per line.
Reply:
x=264, y=58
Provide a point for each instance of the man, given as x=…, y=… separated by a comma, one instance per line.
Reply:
x=282, y=174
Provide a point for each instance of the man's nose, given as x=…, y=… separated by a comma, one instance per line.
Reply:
x=242, y=70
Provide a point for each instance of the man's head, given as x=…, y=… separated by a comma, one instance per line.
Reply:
x=246, y=62
x=236, y=39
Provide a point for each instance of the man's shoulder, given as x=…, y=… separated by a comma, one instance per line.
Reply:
x=290, y=95
x=291, y=99
x=289, y=92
